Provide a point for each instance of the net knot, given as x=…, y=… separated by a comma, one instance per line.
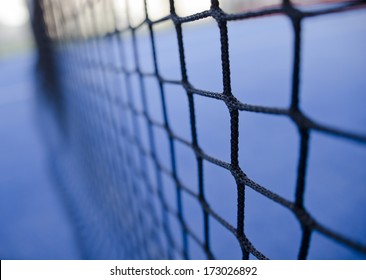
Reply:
x=217, y=14
x=304, y=217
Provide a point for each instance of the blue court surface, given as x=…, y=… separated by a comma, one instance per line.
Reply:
x=35, y=222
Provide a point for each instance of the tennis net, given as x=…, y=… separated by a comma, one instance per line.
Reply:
x=126, y=201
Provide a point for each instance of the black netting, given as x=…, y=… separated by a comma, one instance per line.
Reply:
x=106, y=152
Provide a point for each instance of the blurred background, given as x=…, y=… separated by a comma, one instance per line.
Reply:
x=37, y=223
x=33, y=220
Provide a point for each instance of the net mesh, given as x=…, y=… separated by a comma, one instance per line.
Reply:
x=112, y=178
